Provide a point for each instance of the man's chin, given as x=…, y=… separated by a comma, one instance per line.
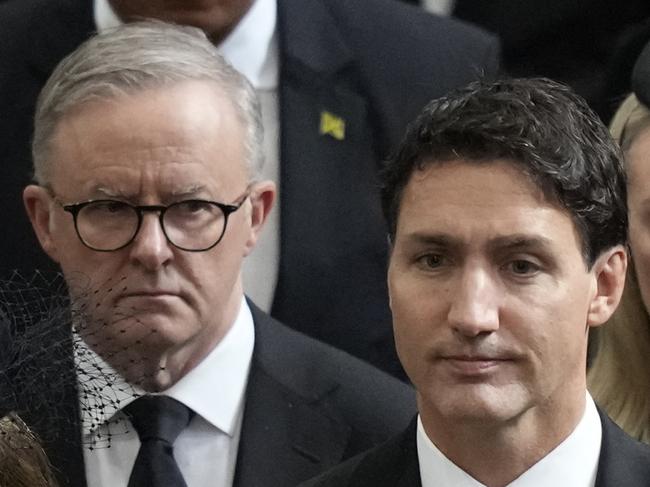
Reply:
x=142, y=367
x=478, y=406
x=134, y=341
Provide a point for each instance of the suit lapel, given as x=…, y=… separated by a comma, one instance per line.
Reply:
x=326, y=149
x=321, y=48
x=411, y=476
x=623, y=461
x=393, y=464
x=288, y=435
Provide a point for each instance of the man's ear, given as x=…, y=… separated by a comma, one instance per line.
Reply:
x=262, y=198
x=609, y=271
x=38, y=204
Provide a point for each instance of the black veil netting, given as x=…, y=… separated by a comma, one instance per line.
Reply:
x=48, y=376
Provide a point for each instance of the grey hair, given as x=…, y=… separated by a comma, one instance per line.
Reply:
x=132, y=58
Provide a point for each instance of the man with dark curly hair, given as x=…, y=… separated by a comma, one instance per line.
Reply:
x=506, y=207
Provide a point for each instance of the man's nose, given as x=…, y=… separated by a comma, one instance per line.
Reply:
x=474, y=308
x=150, y=247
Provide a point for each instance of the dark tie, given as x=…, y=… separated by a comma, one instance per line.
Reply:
x=158, y=421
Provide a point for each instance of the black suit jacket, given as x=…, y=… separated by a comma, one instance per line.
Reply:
x=624, y=462
x=308, y=407
x=582, y=43
x=373, y=64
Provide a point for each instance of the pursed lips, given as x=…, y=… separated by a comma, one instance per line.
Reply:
x=475, y=364
x=476, y=358
x=148, y=294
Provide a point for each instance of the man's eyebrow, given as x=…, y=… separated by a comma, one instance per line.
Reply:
x=436, y=239
x=107, y=192
x=187, y=190
x=519, y=241
x=110, y=192
x=506, y=242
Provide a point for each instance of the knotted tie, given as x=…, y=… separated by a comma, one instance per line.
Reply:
x=158, y=421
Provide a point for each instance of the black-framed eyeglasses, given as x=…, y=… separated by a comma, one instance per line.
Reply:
x=193, y=225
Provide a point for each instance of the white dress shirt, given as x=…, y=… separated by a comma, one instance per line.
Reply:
x=206, y=451
x=252, y=48
x=440, y=7
x=574, y=462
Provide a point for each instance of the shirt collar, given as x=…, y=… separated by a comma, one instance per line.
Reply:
x=105, y=16
x=573, y=462
x=252, y=47
x=214, y=389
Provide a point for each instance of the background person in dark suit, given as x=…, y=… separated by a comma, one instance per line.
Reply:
x=591, y=45
x=338, y=82
x=147, y=156
x=506, y=205
x=586, y=44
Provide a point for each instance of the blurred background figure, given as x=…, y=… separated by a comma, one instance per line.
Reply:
x=590, y=45
x=23, y=462
x=338, y=81
x=619, y=377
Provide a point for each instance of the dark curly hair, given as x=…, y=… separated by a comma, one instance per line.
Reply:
x=540, y=125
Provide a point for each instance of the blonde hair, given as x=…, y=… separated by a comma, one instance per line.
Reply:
x=619, y=378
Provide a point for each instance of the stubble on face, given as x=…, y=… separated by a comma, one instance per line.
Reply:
x=489, y=293
x=135, y=338
x=152, y=310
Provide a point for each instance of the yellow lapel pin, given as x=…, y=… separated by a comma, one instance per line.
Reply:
x=332, y=125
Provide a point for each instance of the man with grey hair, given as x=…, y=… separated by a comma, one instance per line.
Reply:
x=146, y=153
x=338, y=80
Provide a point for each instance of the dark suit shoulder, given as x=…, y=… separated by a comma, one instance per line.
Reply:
x=390, y=35
x=624, y=462
x=339, y=476
x=404, y=26
x=393, y=463
x=17, y=15
x=34, y=36
x=16, y=19
x=407, y=44
x=370, y=400
x=28, y=26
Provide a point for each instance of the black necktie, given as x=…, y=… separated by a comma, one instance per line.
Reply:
x=158, y=421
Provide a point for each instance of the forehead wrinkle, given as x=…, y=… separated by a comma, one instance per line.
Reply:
x=190, y=189
x=116, y=192
x=131, y=148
